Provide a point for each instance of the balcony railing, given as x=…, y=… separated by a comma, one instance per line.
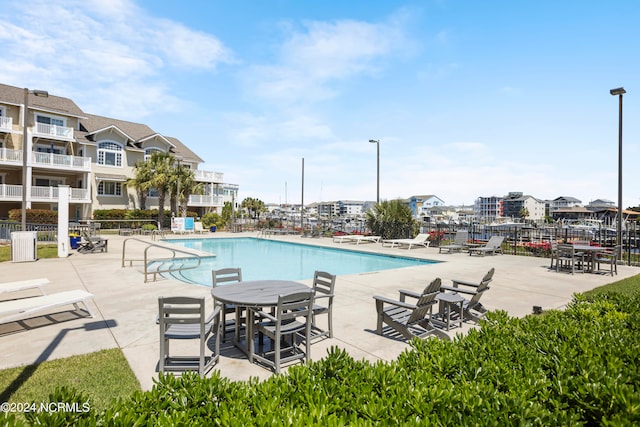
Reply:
x=207, y=176
x=42, y=194
x=58, y=161
x=61, y=161
x=8, y=155
x=43, y=129
x=6, y=123
x=206, y=200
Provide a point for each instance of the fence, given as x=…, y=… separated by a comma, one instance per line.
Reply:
x=537, y=241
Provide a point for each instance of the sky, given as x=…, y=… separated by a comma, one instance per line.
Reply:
x=467, y=99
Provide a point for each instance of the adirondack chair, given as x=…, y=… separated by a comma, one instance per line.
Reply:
x=472, y=308
x=410, y=320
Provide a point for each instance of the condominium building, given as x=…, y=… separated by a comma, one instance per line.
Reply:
x=93, y=155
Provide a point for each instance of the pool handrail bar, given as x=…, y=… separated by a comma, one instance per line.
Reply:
x=146, y=261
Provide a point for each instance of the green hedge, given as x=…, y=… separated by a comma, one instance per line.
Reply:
x=35, y=216
x=580, y=366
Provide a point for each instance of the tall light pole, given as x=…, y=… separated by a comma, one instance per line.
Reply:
x=25, y=150
x=619, y=91
x=377, y=142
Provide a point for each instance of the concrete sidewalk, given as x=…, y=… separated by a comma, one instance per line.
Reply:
x=126, y=307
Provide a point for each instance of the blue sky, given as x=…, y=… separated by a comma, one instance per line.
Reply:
x=467, y=98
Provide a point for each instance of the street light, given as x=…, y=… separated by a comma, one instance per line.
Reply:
x=25, y=151
x=377, y=142
x=619, y=91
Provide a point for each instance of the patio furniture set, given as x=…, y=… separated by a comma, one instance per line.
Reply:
x=582, y=257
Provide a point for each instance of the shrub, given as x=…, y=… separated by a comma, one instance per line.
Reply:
x=35, y=216
x=572, y=367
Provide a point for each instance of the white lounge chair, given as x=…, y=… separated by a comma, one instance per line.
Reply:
x=197, y=227
x=357, y=239
x=30, y=307
x=23, y=285
x=342, y=238
x=420, y=240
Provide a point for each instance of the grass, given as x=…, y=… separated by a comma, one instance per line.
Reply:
x=103, y=376
x=43, y=251
x=625, y=287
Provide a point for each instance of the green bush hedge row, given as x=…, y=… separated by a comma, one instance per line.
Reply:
x=575, y=367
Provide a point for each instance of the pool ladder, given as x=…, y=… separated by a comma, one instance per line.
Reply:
x=170, y=264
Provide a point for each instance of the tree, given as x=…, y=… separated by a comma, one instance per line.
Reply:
x=161, y=166
x=524, y=212
x=141, y=181
x=182, y=181
x=391, y=220
x=254, y=206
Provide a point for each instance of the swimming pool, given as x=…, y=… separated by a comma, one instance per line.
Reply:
x=268, y=259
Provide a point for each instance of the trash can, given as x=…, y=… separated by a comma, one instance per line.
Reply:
x=213, y=228
x=74, y=241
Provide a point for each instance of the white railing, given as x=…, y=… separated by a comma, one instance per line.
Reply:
x=207, y=176
x=6, y=123
x=205, y=200
x=53, y=130
x=10, y=192
x=61, y=161
x=11, y=156
x=14, y=192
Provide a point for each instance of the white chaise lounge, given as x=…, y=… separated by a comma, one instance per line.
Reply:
x=29, y=307
x=420, y=240
x=23, y=285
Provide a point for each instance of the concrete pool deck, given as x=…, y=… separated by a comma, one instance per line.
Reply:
x=126, y=307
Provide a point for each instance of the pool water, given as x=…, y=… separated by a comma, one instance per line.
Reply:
x=267, y=259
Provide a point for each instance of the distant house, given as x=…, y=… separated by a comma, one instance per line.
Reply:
x=488, y=208
x=563, y=202
x=421, y=205
x=515, y=202
x=600, y=204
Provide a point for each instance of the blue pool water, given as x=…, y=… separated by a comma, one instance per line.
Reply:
x=268, y=259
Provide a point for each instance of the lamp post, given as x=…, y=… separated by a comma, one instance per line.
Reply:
x=25, y=151
x=619, y=91
x=377, y=142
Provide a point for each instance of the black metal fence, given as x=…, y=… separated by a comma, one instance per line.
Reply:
x=537, y=241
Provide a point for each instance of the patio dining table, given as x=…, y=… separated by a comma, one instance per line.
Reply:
x=254, y=294
x=591, y=252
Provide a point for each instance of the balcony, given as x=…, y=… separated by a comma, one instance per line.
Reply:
x=53, y=132
x=46, y=160
x=61, y=161
x=207, y=176
x=211, y=200
x=6, y=123
x=42, y=194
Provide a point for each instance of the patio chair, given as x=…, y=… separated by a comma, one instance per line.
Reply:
x=91, y=244
x=198, y=228
x=459, y=242
x=610, y=257
x=323, y=285
x=410, y=320
x=568, y=258
x=183, y=318
x=227, y=276
x=23, y=285
x=493, y=246
x=472, y=308
x=421, y=239
x=25, y=308
x=283, y=323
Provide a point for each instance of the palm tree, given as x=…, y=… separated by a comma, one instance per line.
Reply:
x=141, y=182
x=188, y=186
x=161, y=166
x=254, y=206
x=391, y=220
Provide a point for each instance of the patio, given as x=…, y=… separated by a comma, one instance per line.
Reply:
x=126, y=307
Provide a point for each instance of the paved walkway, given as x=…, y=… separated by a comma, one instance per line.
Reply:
x=126, y=307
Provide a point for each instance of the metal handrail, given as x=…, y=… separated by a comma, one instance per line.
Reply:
x=145, y=259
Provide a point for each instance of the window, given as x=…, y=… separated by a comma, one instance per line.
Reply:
x=48, y=182
x=50, y=120
x=149, y=151
x=2, y=112
x=109, y=188
x=110, y=154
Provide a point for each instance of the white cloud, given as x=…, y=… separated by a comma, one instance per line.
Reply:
x=111, y=48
